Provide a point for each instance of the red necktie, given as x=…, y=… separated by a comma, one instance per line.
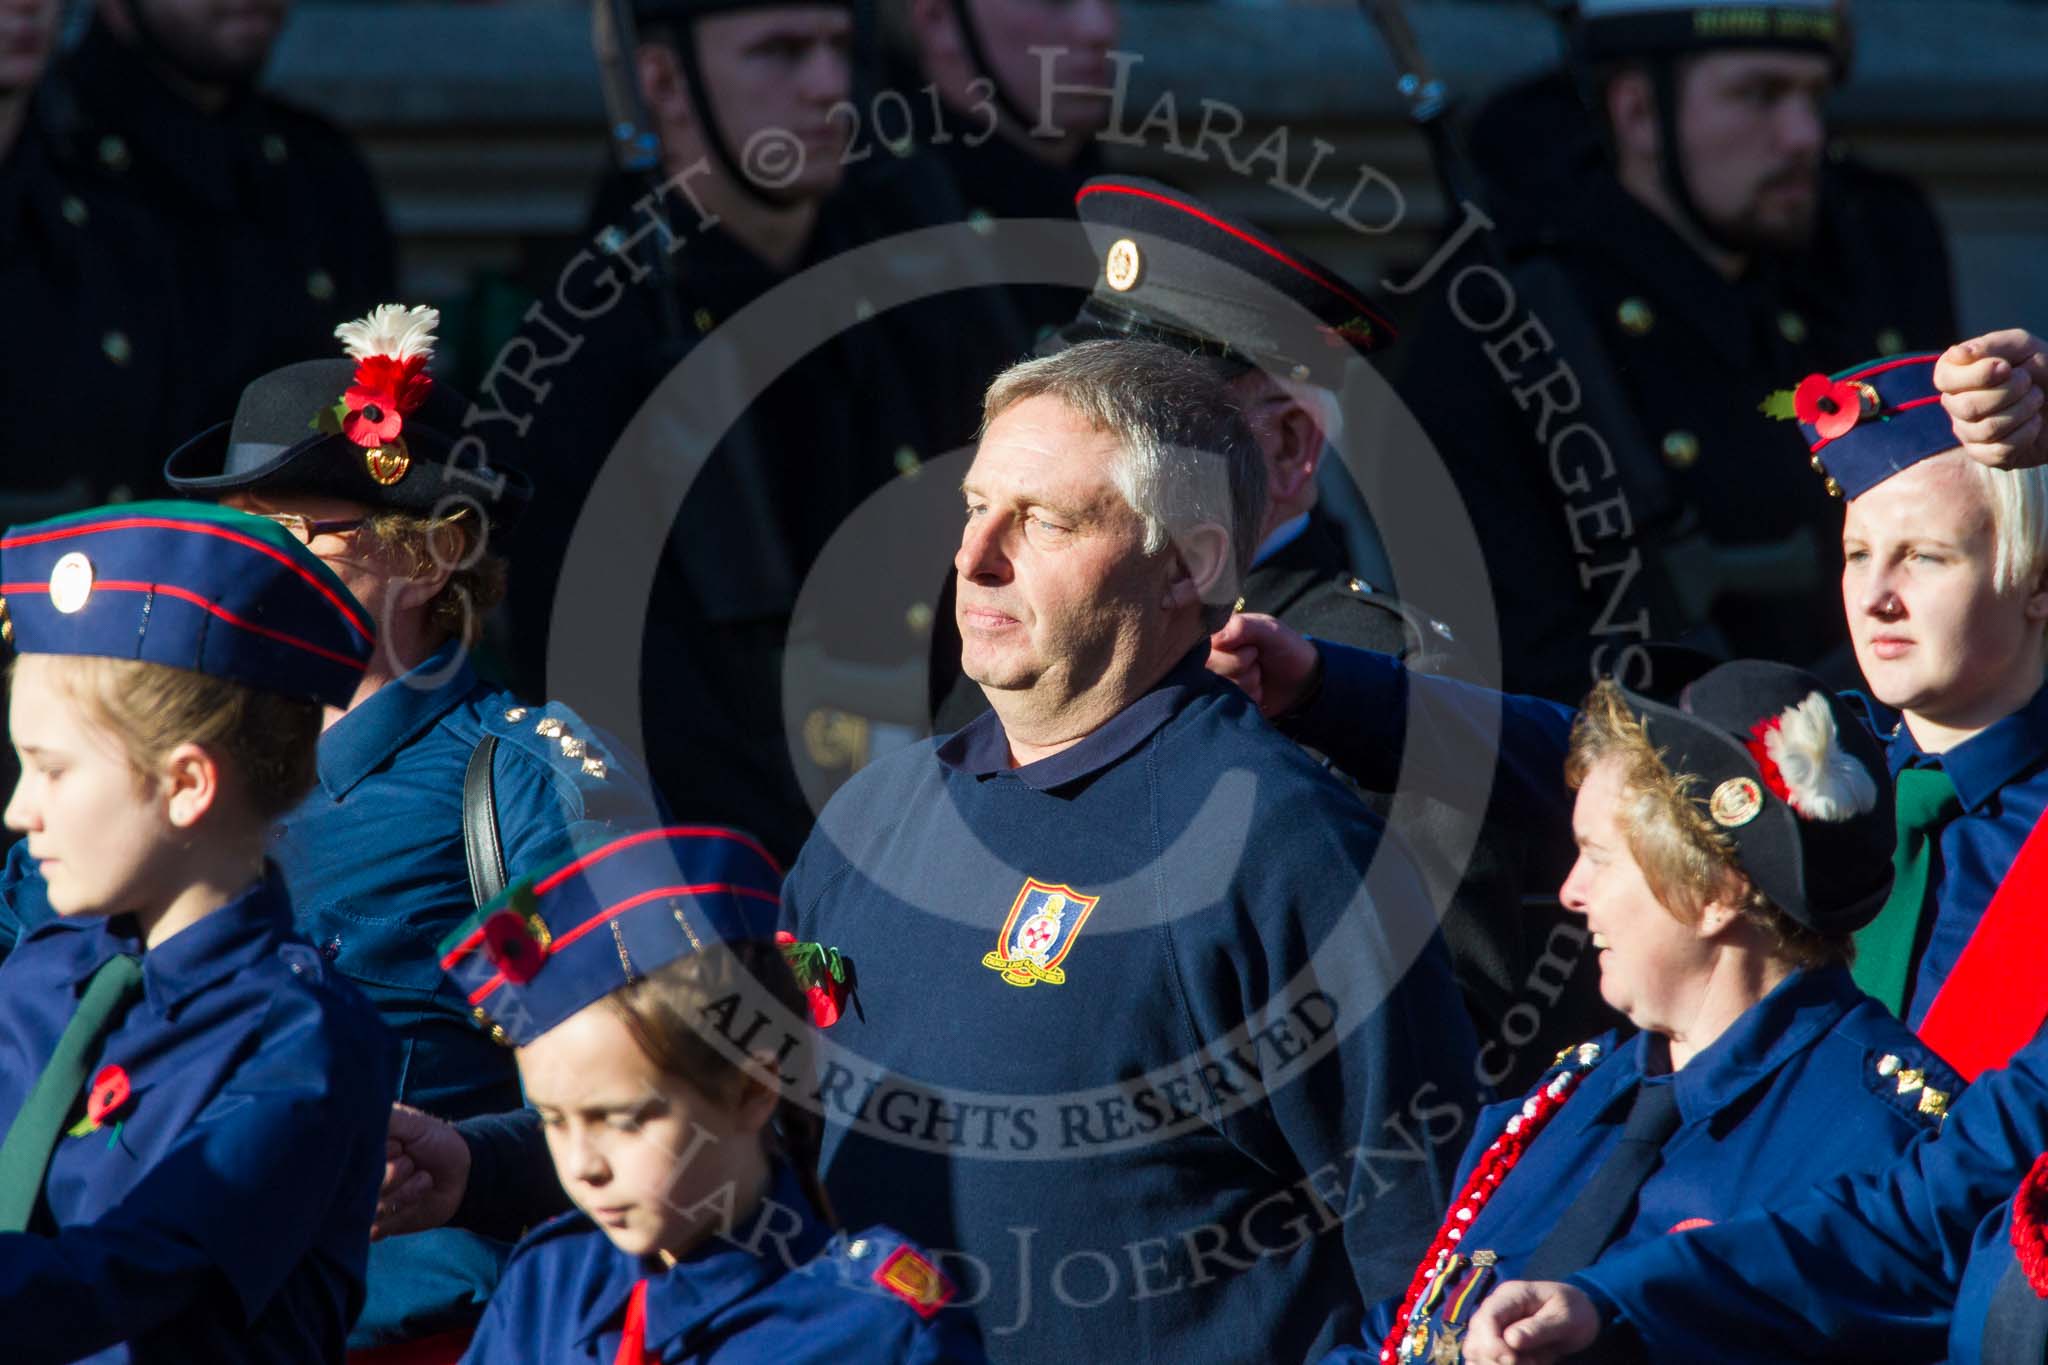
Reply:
x=633, y=1345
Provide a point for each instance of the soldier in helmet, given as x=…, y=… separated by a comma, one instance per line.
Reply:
x=1677, y=235
x=1020, y=90
x=720, y=82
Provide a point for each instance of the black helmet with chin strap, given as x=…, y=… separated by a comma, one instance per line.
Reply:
x=681, y=16
x=1660, y=33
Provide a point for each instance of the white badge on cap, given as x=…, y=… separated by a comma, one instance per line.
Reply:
x=71, y=582
x=1123, y=264
x=1736, y=802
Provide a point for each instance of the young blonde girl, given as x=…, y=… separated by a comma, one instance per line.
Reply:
x=194, y=1110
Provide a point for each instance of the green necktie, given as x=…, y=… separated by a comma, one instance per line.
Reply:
x=1884, y=948
x=32, y=1137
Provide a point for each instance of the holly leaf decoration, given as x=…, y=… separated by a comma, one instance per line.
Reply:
x=1779, y=406
x=328, y=421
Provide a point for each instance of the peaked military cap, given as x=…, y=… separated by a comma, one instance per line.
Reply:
x=1789, y=774
x=1177, y=272
x=554, y=943
x=1870, y=421
x=191, y=586
x=373, y=428
x=1605, y=30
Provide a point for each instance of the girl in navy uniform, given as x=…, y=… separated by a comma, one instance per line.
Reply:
x=659, y=1027
x=194, y=1109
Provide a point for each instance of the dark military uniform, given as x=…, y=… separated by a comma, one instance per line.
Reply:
x=92, y=379
x=1736, y=547
x=996, y=179
x=271, y=220
x=872, y=404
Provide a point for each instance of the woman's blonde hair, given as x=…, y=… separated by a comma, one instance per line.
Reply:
x=265, y=741
x=476, y=583
x=1686, y=860
x=666, y=1011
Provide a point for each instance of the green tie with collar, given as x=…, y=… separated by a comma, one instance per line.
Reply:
x=32, y=1137
x=1884, y=948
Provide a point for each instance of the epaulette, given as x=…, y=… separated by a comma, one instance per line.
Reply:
x=1578, y=1057
x=1427, y=635
x=883, y=1257
x=552, y=730
x=1915, y=1080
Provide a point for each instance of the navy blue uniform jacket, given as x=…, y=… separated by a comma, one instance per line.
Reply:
x=1802, y=1087
x=1154, y=1040
x=780, y=1289
x=223, y=1213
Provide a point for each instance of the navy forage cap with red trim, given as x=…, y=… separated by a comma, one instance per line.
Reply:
x=1787, y=772
x=554, y=943
x=1607, y=30
x=1174, y=270
x=373, y=428
x=191, y=586
x=1868, y=422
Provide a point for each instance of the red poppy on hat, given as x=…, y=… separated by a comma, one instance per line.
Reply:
x=391, y=348
x=384, y=394
x=513, y=947
x=1832, y=407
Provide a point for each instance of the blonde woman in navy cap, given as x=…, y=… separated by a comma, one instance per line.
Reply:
x=663, y=1036
x=194, y=1105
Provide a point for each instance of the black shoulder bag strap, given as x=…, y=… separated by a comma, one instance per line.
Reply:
x=480, y=824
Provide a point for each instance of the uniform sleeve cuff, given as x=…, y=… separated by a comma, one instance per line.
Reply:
x=1620, y=1343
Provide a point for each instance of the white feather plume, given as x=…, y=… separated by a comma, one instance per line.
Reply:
x=393, y=330
x=1824, y=781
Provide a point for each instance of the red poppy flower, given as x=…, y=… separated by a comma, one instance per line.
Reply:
x=109, y=1092
x=384, y=394
x=821, y=971
x=826, y=1001
x=1831, y=407
x=511, y=946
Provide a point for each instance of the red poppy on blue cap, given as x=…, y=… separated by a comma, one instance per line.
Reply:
x=554, y=943
x=1868, y=422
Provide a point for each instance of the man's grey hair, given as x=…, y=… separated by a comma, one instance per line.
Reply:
x=1185, y=455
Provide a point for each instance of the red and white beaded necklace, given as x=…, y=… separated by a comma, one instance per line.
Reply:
x=1493, y=1167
